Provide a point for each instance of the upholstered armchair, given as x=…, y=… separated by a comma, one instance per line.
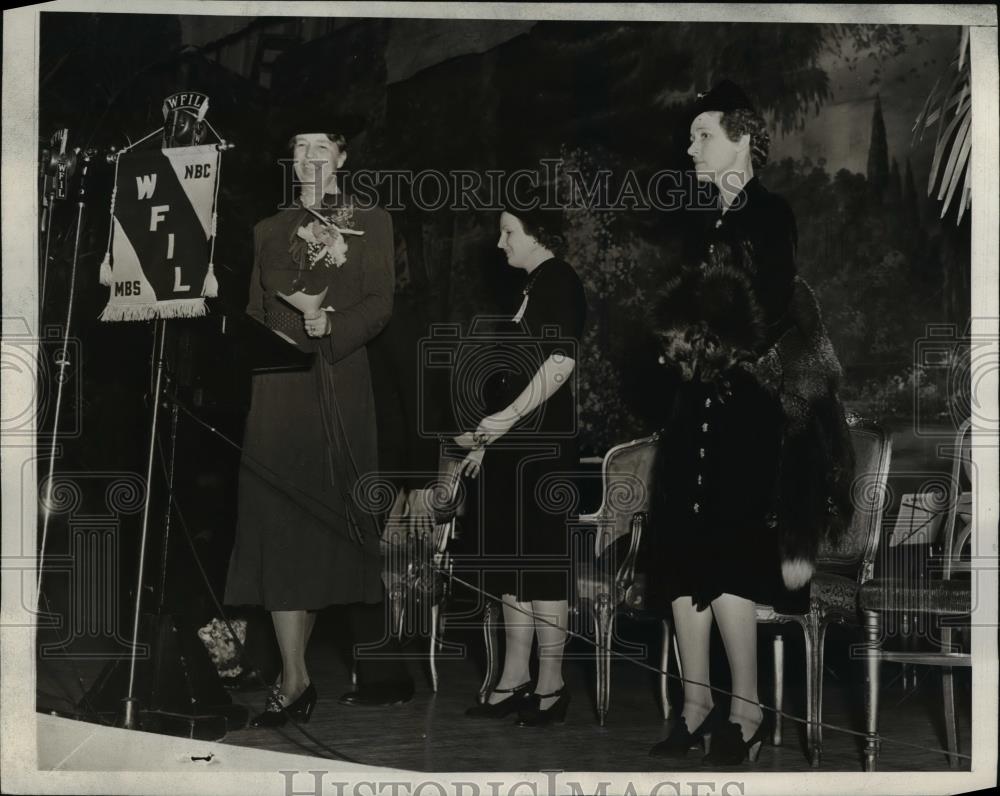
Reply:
x=946, y=598
x=605, y=583
x=608, y=583
x=417, y=562
x=841, y=571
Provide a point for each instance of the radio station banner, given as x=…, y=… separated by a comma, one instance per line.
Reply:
x=163, y=217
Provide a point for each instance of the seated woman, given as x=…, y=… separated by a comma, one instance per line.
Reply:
x=756, y=462
x=531, y=438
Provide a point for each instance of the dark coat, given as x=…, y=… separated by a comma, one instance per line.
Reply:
x=308, y=530
x=741, y=305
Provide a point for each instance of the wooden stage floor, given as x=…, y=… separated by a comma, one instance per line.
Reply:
x=431, y=733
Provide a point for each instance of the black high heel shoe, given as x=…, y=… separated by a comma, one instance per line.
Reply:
x=729, y=748
x=680, y=741
x=504, y=707
x=276, y=715
x=533, y=716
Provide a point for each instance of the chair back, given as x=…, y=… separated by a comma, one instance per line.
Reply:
x=447, y=498
x=627, y=488
x=962, y=463
x=854, y=553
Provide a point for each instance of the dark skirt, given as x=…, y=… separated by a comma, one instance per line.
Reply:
x=295, y=547
x=712, y=529
x=527, y=489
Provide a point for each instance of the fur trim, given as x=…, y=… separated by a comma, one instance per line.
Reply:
x=796, y=573
x=707, y=321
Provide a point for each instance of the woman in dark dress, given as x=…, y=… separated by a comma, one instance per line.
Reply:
x=303, y=543
x=727, y=535
x=524, y=449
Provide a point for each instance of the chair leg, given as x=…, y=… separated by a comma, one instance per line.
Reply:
x=435, y=614
x=873, y=660
x=950, y=724
x=808, y=640
x=490, y=640
x=664, y=667
x=948, y=692
x=442, y=619
x=397, y=610
x=819, y=645
x=604, y=622
x=779, y=685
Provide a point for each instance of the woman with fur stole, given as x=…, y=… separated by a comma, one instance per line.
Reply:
x=756, y=461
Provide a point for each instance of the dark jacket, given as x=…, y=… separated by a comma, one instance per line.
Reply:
x=739, y=304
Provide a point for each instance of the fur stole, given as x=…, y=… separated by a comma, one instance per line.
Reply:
x=709, y=322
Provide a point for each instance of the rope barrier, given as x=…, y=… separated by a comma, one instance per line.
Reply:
x=534, y=617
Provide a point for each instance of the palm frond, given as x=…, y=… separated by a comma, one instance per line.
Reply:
x=951, y=111
x=956, y=163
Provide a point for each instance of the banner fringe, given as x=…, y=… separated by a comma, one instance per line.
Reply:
x=180, y=308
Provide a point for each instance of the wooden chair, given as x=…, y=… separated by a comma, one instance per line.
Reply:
x=602, y=582
x=840, y=573
x=606, y=584
x=421, y=524
x=947, y=597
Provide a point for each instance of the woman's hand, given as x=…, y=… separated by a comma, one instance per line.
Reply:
x=472, y=463
x=317, y=325
x=490, y=429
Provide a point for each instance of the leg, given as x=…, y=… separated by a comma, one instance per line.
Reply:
x=551, y=623
x=260, y=650
x=779, y=685
x=664, y=667
x=693, y=628
x=519, y=632
x=290, y=628
x=873, y=659
x=490, y=642
x=737, y=622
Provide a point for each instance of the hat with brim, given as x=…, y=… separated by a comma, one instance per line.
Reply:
x=725, y=96
x=300, y=120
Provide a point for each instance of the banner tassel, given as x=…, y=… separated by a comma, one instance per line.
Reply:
x=105, y=275
x=210, y=287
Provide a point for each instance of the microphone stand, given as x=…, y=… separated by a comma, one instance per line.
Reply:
x=129, y=721
x=62, y=361
x=57, y=168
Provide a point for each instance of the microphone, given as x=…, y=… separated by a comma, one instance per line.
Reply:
x=58, y=165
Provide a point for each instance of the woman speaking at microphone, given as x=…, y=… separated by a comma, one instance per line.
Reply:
x=303, y=543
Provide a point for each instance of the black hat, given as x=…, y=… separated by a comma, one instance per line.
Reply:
x=725, y=96
x=297, y=120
